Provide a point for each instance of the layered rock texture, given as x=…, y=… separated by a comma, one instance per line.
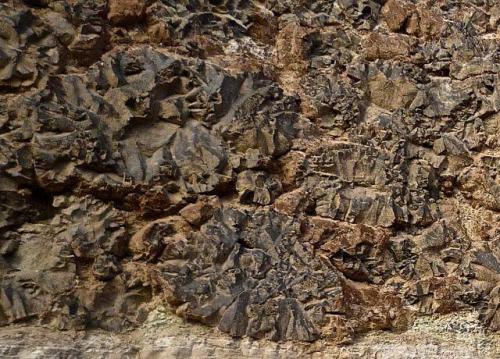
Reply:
x=283, y=170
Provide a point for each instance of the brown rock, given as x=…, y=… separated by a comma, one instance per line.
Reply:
x=396, y=13
x=149, y=242
x=420, y=20
x=291, y=202
x=430, y=22
x=169, y=112
x=126, y=12
x=391, y=94
x=292, y=47
x=158, y=33
x=385, y=47
x=201, y=211
x=491, y=315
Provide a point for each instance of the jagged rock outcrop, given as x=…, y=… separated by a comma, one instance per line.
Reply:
x=283, y=170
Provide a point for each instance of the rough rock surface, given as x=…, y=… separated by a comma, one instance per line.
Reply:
x=163, y=335
x=281, y=170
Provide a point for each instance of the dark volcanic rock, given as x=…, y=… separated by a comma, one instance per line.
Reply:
x=289, y=170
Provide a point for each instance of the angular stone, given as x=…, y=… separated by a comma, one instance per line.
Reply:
x=126, y=12
x=385, y=47
x=149, y=242
x=391, y=94
x=257, y=187
x=396, y=13
x=201, y=211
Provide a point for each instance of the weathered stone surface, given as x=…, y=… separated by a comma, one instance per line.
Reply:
x=257, y=187
x=397, y=14
x=126, y=11
x=280, y=170
x=201, y=211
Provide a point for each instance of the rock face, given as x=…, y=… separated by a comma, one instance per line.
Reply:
x=163, y=336
x=279, y=170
